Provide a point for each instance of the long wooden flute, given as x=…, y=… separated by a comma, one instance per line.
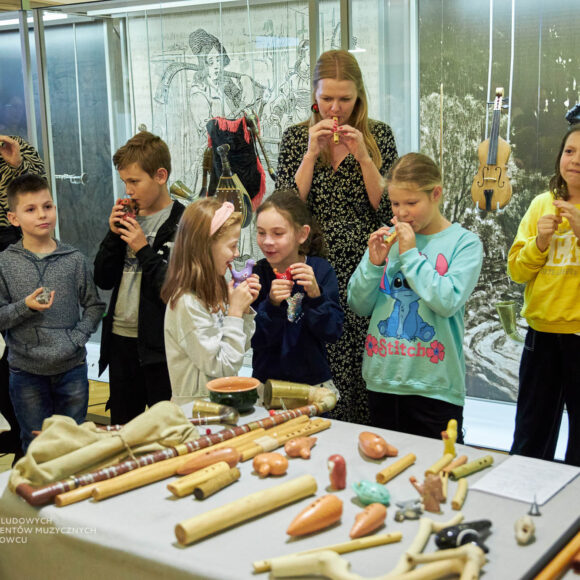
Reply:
x=43, y=495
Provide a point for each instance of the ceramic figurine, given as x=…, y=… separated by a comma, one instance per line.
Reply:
x=410, y=510
x=130, y=209
x=44, y=296
x=374, y=446
x=465, y=533
x=337, y=471
x=431, y=492
x=244, y=273
x=300, y=447
x=287, y=275
x=525, y=530
x=321, y=513
x=270, y=464
x=449, y=437
x=370, y=492
x=367, y=521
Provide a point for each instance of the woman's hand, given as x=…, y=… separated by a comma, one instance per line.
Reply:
x=280, y=291
x=10, y=151
x=571, y=213
x=354, y=141
x=547, y=225
x=319, y=136
x=303, y=274
x=379, y=248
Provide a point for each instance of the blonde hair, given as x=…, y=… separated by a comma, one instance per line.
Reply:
x=415, y=171
x=191, y=267
x=340, y=65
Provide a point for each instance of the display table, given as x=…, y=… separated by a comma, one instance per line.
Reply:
x=132, y=535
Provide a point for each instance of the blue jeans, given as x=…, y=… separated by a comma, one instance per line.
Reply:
x=36, y=397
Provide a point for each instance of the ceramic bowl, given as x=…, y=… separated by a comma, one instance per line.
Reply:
x=238, y=392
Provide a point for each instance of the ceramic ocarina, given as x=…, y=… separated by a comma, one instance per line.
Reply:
x=287, y=275
x=525, y=530
x=228, y=454
x=367, y=521
x=321, y=513
x=300, y=447
x=337, y=471
x=270, y=464
x=371, y=492
x=374, y=446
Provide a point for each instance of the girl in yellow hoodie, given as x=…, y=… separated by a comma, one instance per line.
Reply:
x=546, y=257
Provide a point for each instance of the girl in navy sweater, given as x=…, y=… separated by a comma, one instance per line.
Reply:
x=298, y=310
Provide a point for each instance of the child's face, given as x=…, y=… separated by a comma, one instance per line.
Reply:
x=35, y=213
x=149, y=193
x=225, y=249
x=570, y=161
x=417, y=208
x=278, y=239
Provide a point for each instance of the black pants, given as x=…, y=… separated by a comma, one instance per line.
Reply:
x=133, y=386
x=414, y=414
x=549, y=378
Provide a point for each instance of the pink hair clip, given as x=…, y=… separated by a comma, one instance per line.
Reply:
x=220, y=217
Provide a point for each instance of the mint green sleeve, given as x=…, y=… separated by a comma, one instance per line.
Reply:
x=363, y=287
x=445, y=294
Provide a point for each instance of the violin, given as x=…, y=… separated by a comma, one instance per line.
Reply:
x=491, y=189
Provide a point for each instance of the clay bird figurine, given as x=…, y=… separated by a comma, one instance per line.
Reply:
x=300, y=447
x=270, y=464
x=374, y=446
x=244, y=273
x=337, y=471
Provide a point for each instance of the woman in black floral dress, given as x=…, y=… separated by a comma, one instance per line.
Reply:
x=336, y=161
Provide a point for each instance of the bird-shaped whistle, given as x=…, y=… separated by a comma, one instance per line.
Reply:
x=287, y=275
x=244, y=273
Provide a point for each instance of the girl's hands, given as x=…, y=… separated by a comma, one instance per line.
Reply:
x=378, y=246
x=303, y=275
x=571, y=213
x=319, y=136
x=547, y=225
x=405, y=235
x=280, y=291
x=242, y=296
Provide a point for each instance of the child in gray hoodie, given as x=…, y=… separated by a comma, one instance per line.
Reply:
x=43, y=287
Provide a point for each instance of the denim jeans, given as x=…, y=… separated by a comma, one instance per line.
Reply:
x=36, y=397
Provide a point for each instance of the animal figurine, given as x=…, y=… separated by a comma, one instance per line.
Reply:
x=449, y=437
x=367, y=521
x=410, y=510
x=525, y=530
x=375, y=447
x=44, y=296
x=431, y=492
x=130, y=209
x=321, y=513
x=270, y=464
x=337, y=471
x=287, y=275
x=300, y=447
x=405, y=321
x=465, y=533
x=244, y=273
x=370, y=492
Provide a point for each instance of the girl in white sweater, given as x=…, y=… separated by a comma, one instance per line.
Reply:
x=208, y=322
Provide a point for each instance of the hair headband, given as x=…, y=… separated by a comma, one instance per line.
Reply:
x=220, y=217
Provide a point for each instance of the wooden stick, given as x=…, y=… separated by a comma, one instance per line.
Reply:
x=459, y=497
x=45, y=494
x=344, y=548
x=471, y=467
x=211, y=486
x=394, y=469
x=186, y=484
x=241, y=510
x=561, y=561
x=439, y=465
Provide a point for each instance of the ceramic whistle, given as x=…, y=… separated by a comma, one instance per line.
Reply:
x=337, y=471
x=300, y=447
x=321, y=513
x=367, y=521
x=370, y=492
x=228, y=454
x=270, y=464
x=374, y=446
x=244, y=273
x=287, y=275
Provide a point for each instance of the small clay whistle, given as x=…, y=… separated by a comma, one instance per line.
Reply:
x=244, y=273
x=228, y=454
x=321, y=513
x=287, y=275
x=270, y=464
x=337, y=471
x=375, y=447
x=525, y=530
x=367, y=521
x=300, y=447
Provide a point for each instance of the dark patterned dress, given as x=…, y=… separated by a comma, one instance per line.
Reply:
x=340, y=203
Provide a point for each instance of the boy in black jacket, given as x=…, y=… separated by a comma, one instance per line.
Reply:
x=132, y=260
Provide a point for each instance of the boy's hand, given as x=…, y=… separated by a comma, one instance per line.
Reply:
x=32, y=302
x=280, y=291
x=116, y=217
x=303, y=274
x=241, y=297
x=379, y=248
x=132, y=234
x=547, y=225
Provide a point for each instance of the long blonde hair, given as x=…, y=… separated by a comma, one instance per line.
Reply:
x=340, y=65
x=191, y=267
x=415, y=171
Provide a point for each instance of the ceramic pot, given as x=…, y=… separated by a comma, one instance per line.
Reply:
x=241, y=393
